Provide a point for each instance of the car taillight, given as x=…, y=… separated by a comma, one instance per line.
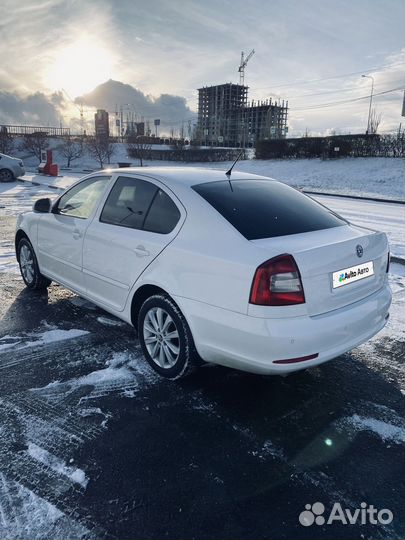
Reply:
x=277, y=282
x=388, y=262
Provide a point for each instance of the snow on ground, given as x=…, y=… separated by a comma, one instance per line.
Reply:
x=387, y=431
x=34, y=339
x=124, y=372
x=110, y=322
x=17, y=197
x=375, y=177
x=391, y=338
x=8, y=261
x=26, y=515
x=380, y=177
x=390, y=218
x=386, y=217
x=370, y=177
x=58, y=465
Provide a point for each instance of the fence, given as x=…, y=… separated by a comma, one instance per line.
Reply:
x=29, y=130
x=361, y=145
x=190, y=154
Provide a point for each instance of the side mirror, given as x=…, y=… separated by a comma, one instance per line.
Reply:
x=43, y=206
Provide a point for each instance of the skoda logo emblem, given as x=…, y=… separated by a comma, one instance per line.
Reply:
x=359, y=250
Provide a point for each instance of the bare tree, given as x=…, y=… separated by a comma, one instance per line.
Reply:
x=71, y=149
x=6, y=142
x=100, y=148
x=375, y=120
x=399, y=144
x=35, y=143
x=139, y=148
x=109, y=149
x=179, y=147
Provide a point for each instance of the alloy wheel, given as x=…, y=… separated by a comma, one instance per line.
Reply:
x=27, y=264
x=161, y=337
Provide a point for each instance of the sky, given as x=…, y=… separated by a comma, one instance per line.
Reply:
x=311, y=52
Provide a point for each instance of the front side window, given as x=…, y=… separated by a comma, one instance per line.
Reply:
x=81, y=200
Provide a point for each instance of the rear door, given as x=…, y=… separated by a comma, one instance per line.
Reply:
x=138, y=220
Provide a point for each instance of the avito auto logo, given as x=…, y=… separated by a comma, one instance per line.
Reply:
x=353, y=273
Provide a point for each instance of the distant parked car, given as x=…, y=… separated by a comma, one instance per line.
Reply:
x=10, y=168
x=242, y=271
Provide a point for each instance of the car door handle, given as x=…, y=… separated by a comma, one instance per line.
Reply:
x=141, y=251
x=77, y=234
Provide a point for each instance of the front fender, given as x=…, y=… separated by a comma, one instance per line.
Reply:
x=28, y=223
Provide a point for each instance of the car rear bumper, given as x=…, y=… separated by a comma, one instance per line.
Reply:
x=253, y=344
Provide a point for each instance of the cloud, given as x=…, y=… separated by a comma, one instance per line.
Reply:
x=171, y=110
x=40, y=109
x=173, y=48
x=33, y=109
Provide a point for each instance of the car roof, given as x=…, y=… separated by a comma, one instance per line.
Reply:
x=186, y=176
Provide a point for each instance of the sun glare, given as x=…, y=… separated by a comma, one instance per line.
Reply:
x=79, y=67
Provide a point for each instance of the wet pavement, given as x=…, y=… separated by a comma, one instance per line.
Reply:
x=95, y=445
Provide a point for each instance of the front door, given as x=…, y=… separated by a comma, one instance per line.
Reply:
x=61, y=233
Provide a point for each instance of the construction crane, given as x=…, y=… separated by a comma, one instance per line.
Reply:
x=79, y=108
x=243, y=62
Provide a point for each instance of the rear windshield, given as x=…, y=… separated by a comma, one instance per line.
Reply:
x=266, y=208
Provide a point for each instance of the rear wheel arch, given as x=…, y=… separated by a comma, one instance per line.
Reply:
x=143, y=293
x=139, y=297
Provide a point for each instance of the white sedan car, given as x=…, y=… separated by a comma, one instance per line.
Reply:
x=10, y=168
x=240, y=270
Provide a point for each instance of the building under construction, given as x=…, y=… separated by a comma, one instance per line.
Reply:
x=101, y=123
x=225, y=118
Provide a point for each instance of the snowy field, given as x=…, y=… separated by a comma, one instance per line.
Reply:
x=372, y=177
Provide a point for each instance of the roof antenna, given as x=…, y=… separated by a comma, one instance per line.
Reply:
x=228, y=173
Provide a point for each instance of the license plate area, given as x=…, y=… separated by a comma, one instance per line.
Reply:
x=352, y=274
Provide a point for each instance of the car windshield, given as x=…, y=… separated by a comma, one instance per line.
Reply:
x=266, y=208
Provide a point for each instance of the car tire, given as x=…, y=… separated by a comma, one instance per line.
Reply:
x=165, y=338
x=29, y=268
x=6, y=175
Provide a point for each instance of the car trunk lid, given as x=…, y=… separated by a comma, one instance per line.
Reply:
x=340, y=253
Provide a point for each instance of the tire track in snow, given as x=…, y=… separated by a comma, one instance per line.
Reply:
x=35, y=438
x=40, y=427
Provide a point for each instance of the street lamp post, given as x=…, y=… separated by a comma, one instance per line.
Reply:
x=371, y=101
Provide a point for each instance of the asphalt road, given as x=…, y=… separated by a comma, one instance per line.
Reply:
x=94, y=445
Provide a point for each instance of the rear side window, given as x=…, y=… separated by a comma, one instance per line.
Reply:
x=163, y=214
x=139, y=204
x=128, y=203
x=266, y=209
